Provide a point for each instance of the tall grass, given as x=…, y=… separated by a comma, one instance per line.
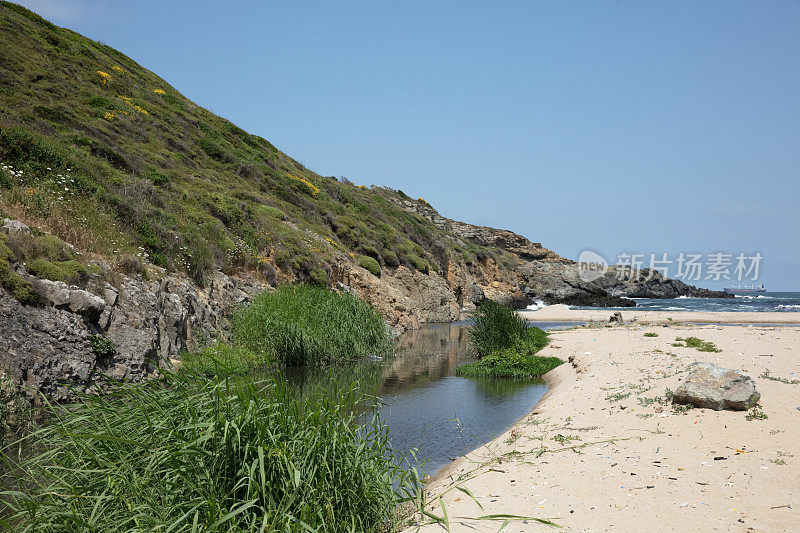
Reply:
x=193, y=454
x=495, y=327
x=307, y=325
x=506, y=345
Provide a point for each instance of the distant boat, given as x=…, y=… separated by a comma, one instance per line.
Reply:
x=745, y=289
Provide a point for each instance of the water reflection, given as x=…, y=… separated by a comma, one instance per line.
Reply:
x=423, y=403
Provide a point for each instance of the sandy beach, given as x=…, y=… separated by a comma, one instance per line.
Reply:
x=605, y=451
x=562, y=313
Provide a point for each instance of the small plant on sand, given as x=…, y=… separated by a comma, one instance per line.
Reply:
x=564, y=439
x=618, y=396
x=682, y=408
x=651, y=334
x=506, y=345
x=694, y=342
x=766, y=375
x=756, y=413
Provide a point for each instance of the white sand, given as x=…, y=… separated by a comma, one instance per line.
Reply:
x=562, y=313
x=635, y=466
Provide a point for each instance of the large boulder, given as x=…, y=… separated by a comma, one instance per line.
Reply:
x=714, y=387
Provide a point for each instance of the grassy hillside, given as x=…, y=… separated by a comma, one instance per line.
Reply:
x=103, y=153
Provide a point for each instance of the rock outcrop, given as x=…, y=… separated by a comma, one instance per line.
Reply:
x=714, y=387
x=647, y=283
x=48, y=349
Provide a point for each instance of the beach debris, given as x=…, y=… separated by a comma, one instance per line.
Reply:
x=713, y=387
x=616, y=317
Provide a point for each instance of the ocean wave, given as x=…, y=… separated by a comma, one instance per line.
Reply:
x=789, y=306
x=675, y=309
x=536, y=305
x=684, y=297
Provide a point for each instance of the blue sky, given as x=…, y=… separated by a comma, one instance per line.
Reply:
x=627, y=126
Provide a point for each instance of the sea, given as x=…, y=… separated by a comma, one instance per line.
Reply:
x=781, y=302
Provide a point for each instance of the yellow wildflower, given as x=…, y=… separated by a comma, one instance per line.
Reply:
x=159, y=91
x=104, y=76
x=306, y=186
x=109, y=116
x=138, y=108
x=118, y=69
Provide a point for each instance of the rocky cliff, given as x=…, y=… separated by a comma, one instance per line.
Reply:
x=128, y=326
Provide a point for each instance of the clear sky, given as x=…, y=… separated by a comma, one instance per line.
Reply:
x=621, y=126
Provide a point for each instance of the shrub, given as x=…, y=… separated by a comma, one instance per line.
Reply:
x=306, y=325
x=130, y=265
x=651, y=334
x=506, y=345
x=270, y=211
x=26, y=247
x=19, y=144
x=15, y=410
x=318, y=277
x=305, y=186
x=370, y=264
x=419, y=263
x=18, y=287
x=390, y=258
x=67, y=271
x=102, y=346
x=194, y=454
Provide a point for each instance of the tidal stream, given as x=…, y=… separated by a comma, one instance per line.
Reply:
x=426, y=406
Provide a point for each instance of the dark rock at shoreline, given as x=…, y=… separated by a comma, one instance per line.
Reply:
x=647, y=283
x=714, y=387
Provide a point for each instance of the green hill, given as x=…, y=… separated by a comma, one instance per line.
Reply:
x=109, y=157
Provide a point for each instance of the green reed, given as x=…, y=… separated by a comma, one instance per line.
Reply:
x=307, y=325
x=191, y=453
x=506, y=345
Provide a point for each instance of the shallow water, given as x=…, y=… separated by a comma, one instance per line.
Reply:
x=425, y=406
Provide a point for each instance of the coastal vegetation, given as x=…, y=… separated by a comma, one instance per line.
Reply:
x=506, y=345
x=99, y=151
x=208, y=448
x=309, y=325
x=194, y=453
x=694, y=342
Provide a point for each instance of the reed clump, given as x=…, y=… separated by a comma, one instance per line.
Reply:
x=506, y=345
x=308, y=325
x=191, y=453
